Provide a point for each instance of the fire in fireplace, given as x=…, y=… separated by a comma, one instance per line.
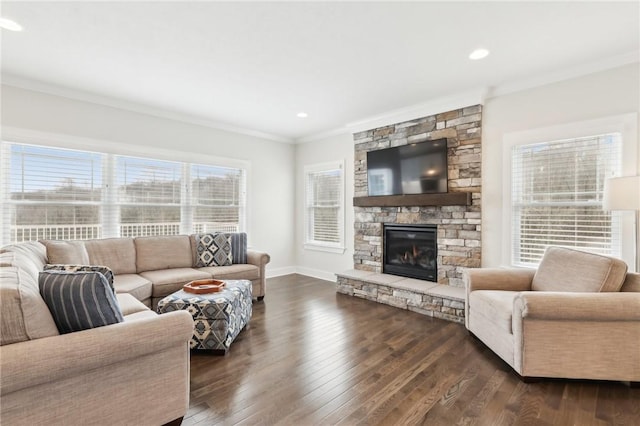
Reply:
x=411, y=251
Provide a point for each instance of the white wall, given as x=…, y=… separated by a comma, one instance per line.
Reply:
x=608, y=93
x=311, y=262
x=271, y=181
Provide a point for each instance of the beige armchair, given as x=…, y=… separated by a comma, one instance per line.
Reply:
x=577, y=316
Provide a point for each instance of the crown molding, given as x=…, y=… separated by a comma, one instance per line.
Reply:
x=79, y=95
x=565, y=74
x=432, y=107
x=323, y=135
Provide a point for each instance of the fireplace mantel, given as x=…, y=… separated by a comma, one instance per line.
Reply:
x=444, y=199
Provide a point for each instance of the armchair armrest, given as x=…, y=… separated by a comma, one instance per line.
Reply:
x=577, y=306
x=513, y=279
x=54, y=358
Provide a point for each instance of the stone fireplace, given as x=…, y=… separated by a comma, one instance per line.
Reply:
x=410, y=251
x=456, y=217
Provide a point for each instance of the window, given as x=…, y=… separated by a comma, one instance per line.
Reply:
x=556, y=195
x=55, y=193
x=324, y=207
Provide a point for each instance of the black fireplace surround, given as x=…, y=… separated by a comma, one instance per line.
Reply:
x=411, y=251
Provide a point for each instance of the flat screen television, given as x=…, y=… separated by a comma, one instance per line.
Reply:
x=418, y=168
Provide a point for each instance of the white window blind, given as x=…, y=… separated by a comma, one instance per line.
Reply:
x=51, y=193
x=149, y=196
x=557, y=192
x=324, y=209
x=57, y=193
x=218, y=198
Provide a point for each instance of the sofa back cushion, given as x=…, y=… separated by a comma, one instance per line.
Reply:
x=66, y=252
x=631, y=282
x=35, y=251
x=119, y=254
x=565, y=269
x=155, y=253
x=25, y=316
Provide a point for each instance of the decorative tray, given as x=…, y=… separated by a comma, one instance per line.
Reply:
x=203, y=286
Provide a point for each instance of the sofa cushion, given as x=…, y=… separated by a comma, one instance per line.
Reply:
x=134, y=284
x=166, y=281
x=233, y=272
x=495, y=305
x=79, y=300
x=563, y=269
x=25, y=316
x=108, y=274
x=156, y=253
x=22, y=261
x=66, y=252
x=129, y=304
x=34, y=250
x=119, y=254
x=213, y=249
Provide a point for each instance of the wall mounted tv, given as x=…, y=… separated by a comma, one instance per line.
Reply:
x=418, y=168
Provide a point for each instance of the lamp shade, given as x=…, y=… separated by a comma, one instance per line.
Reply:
x=622, y=193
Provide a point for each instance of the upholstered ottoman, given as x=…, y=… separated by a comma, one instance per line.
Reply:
x=218, y=317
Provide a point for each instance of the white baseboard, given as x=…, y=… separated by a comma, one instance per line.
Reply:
x=316, y=273
x=277, y=272
x=309, y=272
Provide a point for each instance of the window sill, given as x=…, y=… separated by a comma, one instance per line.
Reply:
x=327, y=249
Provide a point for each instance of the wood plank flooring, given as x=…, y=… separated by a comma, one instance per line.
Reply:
x=313, y=357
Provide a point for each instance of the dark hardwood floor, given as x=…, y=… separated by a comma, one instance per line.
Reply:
x=313, y=357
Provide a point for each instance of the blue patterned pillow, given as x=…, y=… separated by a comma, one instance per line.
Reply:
x=213, y=249
x=239, y=247
x=104, y=270
x=79, y=300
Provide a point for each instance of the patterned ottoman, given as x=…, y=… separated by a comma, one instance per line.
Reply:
x=219, y=317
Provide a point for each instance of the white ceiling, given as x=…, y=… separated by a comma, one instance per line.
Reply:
x=255, y=65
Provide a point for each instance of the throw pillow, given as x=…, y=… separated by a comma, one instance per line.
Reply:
x=213, y=249
x=79, y=300
x=239, y=247
x=66, y=252
x=108, y=274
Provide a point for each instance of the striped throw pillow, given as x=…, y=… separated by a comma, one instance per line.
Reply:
x=239, y=247
x=79, y=300
x=104, y=270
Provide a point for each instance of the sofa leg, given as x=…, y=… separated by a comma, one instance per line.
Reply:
x=260, y=298
x=530, y=380
x=634, y=385
x=176, y=422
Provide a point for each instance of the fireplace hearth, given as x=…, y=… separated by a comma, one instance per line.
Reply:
x=411, y=251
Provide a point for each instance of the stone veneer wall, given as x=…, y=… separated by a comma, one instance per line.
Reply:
x=459, y=227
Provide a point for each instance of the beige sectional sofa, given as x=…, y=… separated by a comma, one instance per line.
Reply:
x=136, y=371
x=150, y=268
x=577, y=316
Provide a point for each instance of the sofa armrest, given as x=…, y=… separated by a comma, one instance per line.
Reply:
x=577, y=306
x=258, y=258
x=39, y=361
x=513, y=279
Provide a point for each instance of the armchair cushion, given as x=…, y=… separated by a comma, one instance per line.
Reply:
x=563, y=269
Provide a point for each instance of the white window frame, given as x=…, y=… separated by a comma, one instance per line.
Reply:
x=63, y=141
x=309, y=243
x=625, y=124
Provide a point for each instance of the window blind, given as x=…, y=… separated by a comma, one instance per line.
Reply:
x=149, y=196
x=218, y=198
x=324, y=205
x=557, y=190
x=57, y=193
x=51, y=193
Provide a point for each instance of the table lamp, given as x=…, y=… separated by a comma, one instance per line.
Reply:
x=623, y=193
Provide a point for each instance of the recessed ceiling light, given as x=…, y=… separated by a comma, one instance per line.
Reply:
x=302, y=115
x=10, y=25
x=478, y=54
